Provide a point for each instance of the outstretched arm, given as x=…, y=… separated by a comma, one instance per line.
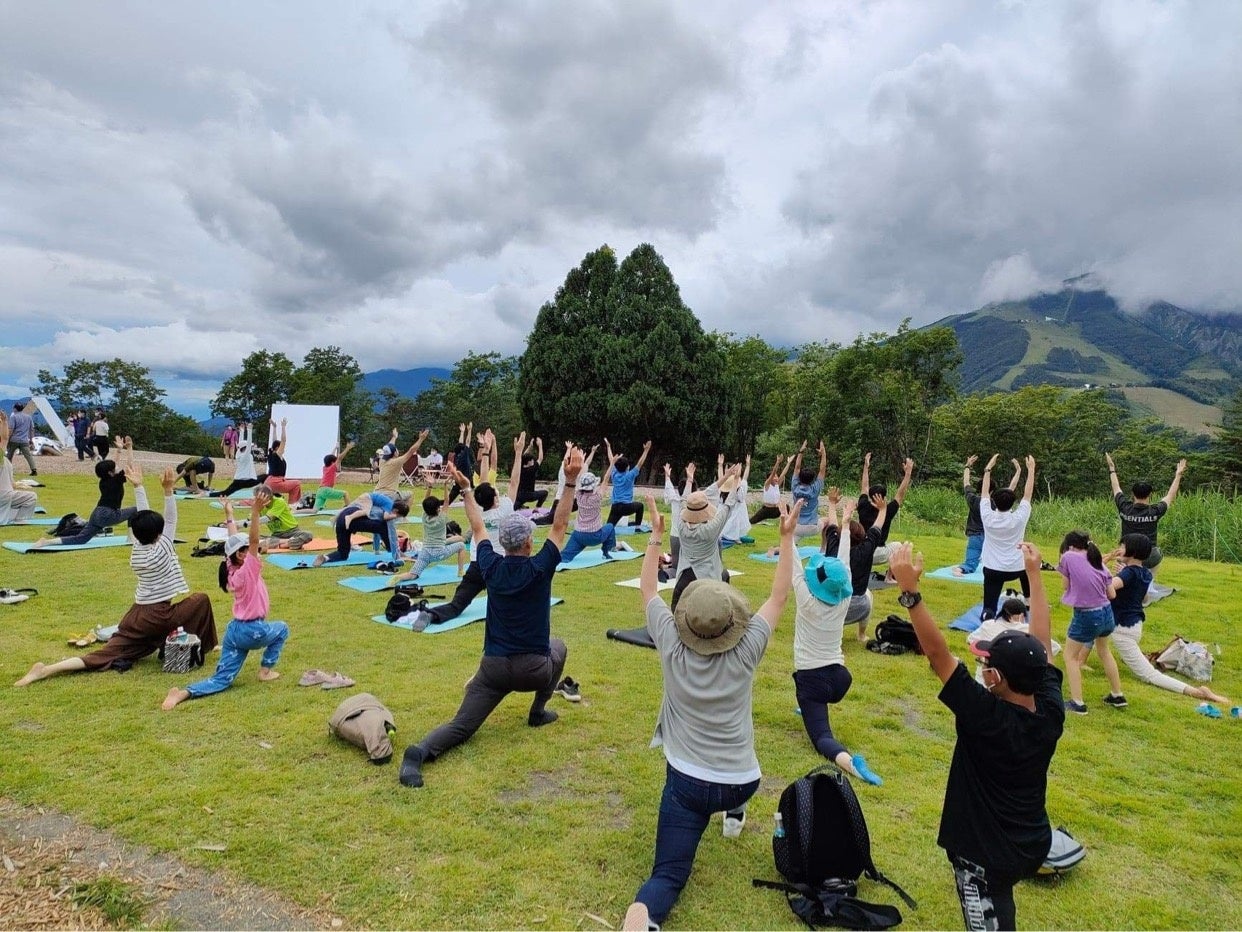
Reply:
x=823, y=461
x=414, y=447
x=797, y=466
x=1029, y=491
x=169, y=481
x=1176, y=484
x=1112, y=475
x=864, y=481
x=746, y=470
x=262, y=498
x=907, y=567
x=515, y=474
x=782, y=582
x=649, y=578
x=1017, y=474
x=474, y=514
x=560, y=518
x=539, y=450
x=643, y=457
x=590, y=456
x=904, y=487
x=780, y=480
x=985, y=489
x=1040, y=625
x=970, y=461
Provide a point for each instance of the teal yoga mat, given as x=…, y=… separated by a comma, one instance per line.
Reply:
x=289, y=561
x=475, y=611
x=627, y=529
x=803, y=553
x=589, y=559
x=439, y=574
x=968, y=620
x=946, y=573
x=34, y=522
x=116, y=540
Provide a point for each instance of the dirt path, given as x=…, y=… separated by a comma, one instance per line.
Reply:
x=47, y=857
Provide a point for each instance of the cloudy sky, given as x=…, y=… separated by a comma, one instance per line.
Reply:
x=182, y=184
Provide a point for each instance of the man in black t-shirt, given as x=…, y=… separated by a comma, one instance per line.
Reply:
x=994, y=825
x=1140, y=516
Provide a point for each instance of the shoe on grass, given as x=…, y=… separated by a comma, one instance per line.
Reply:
x=412, y=767
x=1117, y=702
x=1078, y=708
x=733, y=824
x=568, y=689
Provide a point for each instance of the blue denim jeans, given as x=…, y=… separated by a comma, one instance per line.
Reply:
x=1087, y=624
x=578, y=541
x=974, y=550
x=686, y=809
x=240, y=638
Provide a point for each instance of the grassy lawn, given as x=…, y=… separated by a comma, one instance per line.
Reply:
x=549, y=828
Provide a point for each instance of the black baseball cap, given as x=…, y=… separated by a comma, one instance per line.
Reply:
x=1019, y=656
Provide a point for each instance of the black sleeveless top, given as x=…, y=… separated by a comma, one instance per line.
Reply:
x=276, y=465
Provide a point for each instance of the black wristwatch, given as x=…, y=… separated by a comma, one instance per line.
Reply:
x=909, y=599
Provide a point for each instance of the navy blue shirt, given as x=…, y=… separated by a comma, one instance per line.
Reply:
x=1128, y=605
x=519, y=592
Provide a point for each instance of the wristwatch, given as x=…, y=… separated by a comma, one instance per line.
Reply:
x=909, y=599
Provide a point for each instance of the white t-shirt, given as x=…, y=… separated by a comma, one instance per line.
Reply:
x=818, y=625
x=492, y=518
x=101, y=428
x=772, y=494
x=1002, y=532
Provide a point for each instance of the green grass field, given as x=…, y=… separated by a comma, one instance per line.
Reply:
x=549, y=828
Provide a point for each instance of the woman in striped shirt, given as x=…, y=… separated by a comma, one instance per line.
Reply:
x=153, y=615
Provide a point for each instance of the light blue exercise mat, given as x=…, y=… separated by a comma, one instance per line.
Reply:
x=803, y=553
x=946, y=572
x=626, y=529
x=34, y=522
x=293, y=561
x=588, y=559
x=969, y=620
x=116, y=540
x=475, y=611
x=438, y=574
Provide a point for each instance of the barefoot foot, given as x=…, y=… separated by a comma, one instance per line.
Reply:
x=320, y=560
x=266, y=674
x=36, y=673
x=175, y=697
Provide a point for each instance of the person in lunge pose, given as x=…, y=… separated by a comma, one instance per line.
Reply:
x=710, y=647
x=108, y=512
x=241, y=573
x=327, y=490
x=277, y=480
x=772, y=491
x=519, y=652
x=994, y=826
x=622, y=476
x=974, y=522
x=1004, y=526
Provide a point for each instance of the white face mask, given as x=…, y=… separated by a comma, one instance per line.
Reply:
x=991, y=687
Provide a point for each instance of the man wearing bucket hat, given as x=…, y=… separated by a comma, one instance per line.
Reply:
x=699, y=535
x=994, y=826
x=709, y=650
x=822, y=595
x=519, y=653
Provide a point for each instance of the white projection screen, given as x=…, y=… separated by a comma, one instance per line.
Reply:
x=312, y=433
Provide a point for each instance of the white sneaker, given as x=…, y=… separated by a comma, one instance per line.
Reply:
x=732, y=826
x=622, y=545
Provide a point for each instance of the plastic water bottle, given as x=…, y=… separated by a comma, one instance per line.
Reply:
x=778, y=830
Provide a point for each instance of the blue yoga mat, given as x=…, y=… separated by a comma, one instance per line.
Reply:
x=803, y=553
x=946, y=572
x=475, y=611
x=289, y=561
x=968, y=620
x=116, y=540
x=627, y=529
x=34, y=522
x=588, y=559
x=439, y=574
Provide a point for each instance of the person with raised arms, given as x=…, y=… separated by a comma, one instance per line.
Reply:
x=392, y=461
x=994, y=824
x=531, y=460
x=701, y=524
x=591, y=528
x=277, y=479
x=1140, y=515
x=327, y=490
x=623, y=476
x=710, y=647
x=772, y=490
x=519, y=652
x=866, y=511
x=1004, y=527
x=806, y=485
x=108, y=512
x=974, y=522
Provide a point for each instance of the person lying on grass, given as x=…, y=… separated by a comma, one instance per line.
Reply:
x=709, y=647
x=994, y=825
x=519, y=652
x=153, y=615
x=241, y=573
x=1129, y=590
x=108, y=512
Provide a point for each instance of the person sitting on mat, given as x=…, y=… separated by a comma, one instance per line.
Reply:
x=806, y=486
x=282, y=527
x=709, y=647
x=241, y=573
x=437, y=543
x=244, y=474
x=701, y=524
x=526, y=491
x=519, y=653
x=327, y=490
x=16, y=505
x=866, y=514
x=1140, y=516
x=195, y=466
x=994, y=826
x=154, y=615
x=1129, y=589
x=357, y=518
x=108, y=512
x=623, y=476
x=591, y=528
x=277, y=480
x=974, y=523
x=772, y=491
x=822, y=596
x=1004, y=526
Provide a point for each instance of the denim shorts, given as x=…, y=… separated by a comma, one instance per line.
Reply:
x=1087, y=624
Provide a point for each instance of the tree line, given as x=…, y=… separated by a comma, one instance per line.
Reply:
x=617, y=353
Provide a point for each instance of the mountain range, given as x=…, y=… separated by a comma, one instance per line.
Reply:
x=1167, y=361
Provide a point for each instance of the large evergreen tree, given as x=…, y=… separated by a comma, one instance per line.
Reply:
x=617, y=353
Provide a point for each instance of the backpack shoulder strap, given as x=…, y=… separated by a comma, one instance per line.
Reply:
x=876, y=875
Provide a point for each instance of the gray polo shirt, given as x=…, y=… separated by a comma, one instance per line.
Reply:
x=700, y=543
x=706, y=726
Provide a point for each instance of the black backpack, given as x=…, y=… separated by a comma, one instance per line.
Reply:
x=208, y=548
x=824, y=849
x=69, y=525
x=398, y=606
x=895, y=635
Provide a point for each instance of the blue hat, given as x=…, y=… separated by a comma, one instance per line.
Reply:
x=828, y=579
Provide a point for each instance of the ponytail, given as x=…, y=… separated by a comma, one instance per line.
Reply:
x=1094, y=557
x=223, y=575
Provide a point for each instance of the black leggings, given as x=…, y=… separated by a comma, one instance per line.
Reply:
x=816, y=690
x=455, y=490
x=236, y=486
x=620, y=509
x=764, y=513
x=686, y=578
x=986, y=898
x=470, y=586
x=994, y=581
x=538, y=496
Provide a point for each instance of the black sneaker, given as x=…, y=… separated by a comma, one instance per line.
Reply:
x=1117, y=702
x=1078, y=708
x=412, y=767
x=568, y=689
x=546, y=717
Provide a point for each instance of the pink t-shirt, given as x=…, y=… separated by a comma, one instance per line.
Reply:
x=1085, y=586
x=249, y=591
x=329, y=474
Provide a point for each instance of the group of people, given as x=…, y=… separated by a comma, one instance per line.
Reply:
x=994, y=827
x=92, y=436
